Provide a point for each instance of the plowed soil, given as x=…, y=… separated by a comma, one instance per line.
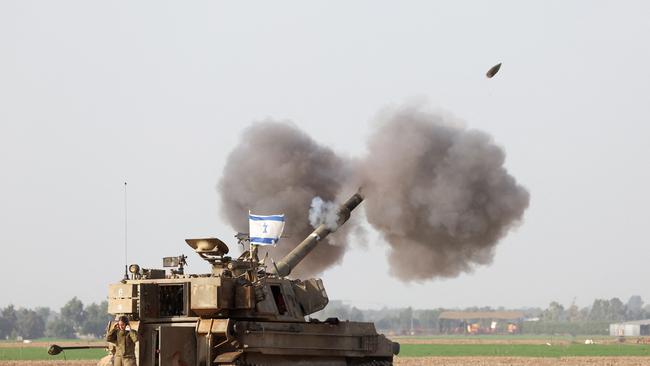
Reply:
x=522, y=361
x=439, y=361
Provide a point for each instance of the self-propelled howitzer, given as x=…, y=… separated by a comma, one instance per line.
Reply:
x=240, y=313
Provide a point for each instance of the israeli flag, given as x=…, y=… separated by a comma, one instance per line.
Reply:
x=265, y=230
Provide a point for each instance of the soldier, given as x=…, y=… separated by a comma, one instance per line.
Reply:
x=124, y=338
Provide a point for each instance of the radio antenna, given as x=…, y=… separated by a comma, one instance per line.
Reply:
x=126, y=265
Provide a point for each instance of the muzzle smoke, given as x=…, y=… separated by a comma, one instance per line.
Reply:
x=437, y=192
x=323, y=212
x=276, y=168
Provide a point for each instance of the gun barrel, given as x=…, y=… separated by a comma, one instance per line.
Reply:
x=56, y=349
x=291, y=260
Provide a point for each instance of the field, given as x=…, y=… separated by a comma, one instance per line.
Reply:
x=520, y=351
x=479, y=351
x=520, y=361
x=523, y=350
x=40, y=353
x=36, y=353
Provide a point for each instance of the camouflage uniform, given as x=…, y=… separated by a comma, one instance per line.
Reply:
x=124, y=346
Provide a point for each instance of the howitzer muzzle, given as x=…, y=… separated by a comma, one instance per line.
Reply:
x=291, y=260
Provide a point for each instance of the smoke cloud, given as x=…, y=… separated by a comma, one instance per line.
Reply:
x=437, y=192
x=276, y=168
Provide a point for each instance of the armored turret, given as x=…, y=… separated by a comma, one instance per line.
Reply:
x=241, y=313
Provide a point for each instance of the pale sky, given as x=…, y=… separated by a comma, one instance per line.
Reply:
x=157, y=93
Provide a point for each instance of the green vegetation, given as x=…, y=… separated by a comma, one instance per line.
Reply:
x=407, y=350
x=40, y=353
x=523, y=350
x=556, y=319
x=506, y=337
x=74, y=319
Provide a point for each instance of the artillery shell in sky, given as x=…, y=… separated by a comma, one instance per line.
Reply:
x=493, y=70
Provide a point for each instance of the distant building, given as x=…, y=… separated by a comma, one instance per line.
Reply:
x=630, y=329
x=480, y=322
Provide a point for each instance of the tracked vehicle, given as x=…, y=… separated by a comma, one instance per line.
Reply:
x=241, y=313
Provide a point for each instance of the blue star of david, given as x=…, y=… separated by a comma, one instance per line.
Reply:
x=265, y=226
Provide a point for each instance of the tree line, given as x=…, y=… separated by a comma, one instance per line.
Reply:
x=556, y=318
x=73, y=320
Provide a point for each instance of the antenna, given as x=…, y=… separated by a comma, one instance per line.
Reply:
x=126, y=241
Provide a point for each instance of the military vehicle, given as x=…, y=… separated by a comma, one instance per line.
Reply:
x=241, y=313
